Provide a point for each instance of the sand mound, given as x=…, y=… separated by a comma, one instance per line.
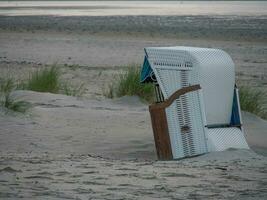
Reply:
x=69, y=148
x=117, y=128
x=61, y=124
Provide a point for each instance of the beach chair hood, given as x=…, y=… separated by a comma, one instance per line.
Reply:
x=213, y=69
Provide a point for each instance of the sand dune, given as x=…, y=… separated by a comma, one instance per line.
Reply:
x=68, y=148
x=119, y=129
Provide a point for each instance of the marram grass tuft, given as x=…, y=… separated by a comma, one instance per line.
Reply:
x=128, y=83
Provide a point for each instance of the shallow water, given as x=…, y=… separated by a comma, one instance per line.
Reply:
x=107, y=8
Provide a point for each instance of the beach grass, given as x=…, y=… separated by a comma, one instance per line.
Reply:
x=12, y=104
x=48, y=80
x=44, y=80
x=253, y=100
x=7, y=101
x=6, y=85
x=128, y=84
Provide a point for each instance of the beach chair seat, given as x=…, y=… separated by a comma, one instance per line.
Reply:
x=221, y=139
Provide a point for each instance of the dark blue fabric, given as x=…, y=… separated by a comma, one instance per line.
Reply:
x=235, y=118
x=146, y=71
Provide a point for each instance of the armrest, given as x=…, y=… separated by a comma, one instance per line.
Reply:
x=174, y=96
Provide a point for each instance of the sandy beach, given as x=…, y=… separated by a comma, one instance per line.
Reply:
x=92, y=147
x=71, y=148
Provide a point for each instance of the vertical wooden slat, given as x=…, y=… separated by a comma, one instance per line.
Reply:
x=161, y=133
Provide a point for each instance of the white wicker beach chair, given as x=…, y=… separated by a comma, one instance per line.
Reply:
x=203, y=120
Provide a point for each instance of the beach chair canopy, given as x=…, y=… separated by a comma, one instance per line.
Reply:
x=213, y=69
x=146, y=72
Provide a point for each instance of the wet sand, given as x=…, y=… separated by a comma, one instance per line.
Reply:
x=219, y=27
